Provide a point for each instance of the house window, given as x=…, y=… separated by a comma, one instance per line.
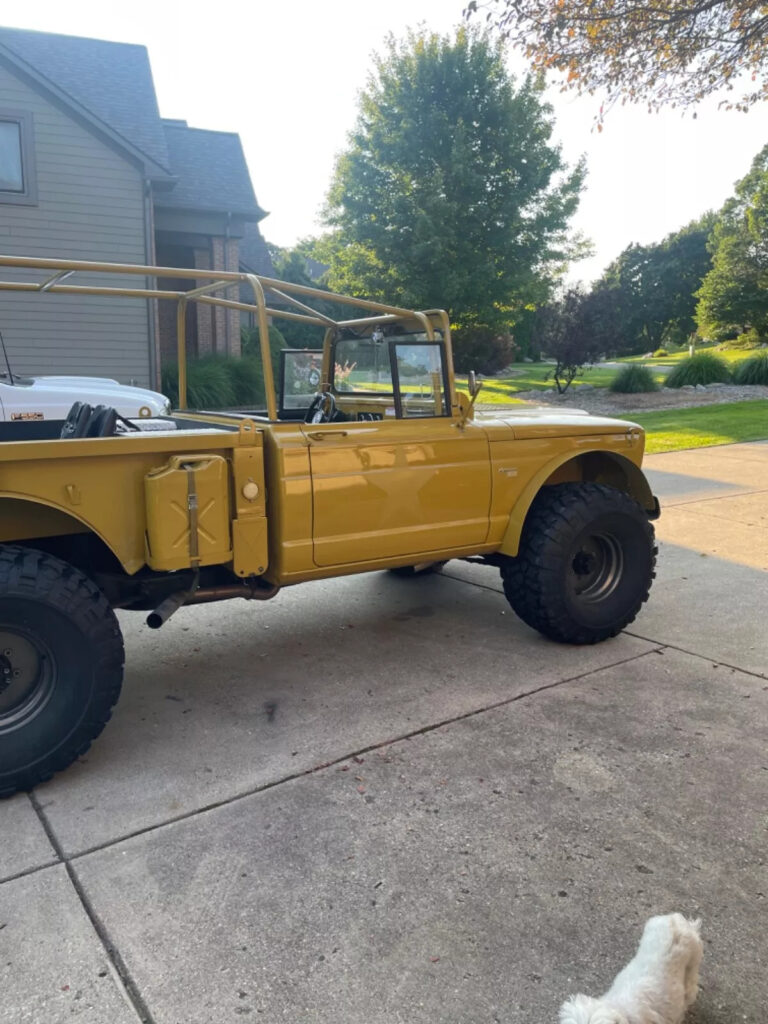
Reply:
x=17, y=161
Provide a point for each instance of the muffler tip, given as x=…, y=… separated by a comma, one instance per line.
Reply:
x=166, y=608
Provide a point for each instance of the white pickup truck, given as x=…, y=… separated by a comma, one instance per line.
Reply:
x=51, y=398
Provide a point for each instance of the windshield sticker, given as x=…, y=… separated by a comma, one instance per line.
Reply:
x=27, y=416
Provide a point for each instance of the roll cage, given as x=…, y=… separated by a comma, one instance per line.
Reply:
x=288, y=301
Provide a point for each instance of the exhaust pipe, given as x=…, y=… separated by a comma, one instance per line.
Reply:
x=204, y=595
x=166, y=608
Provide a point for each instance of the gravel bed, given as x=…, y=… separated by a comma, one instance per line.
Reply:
x=605, y=402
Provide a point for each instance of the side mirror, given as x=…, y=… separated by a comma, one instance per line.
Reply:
x=475, y=387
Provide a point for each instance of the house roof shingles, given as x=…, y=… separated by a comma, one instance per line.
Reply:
x=111, y=80
x=113, y=83
x=212, y=171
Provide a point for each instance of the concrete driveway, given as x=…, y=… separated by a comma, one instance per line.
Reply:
x=382, y=800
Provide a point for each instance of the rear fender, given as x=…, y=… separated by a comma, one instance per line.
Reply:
x=596, y=466
x=22, y=519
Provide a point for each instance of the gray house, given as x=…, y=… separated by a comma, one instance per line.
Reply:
x=89, y=170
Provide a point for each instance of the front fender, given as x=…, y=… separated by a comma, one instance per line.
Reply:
x=595, y=466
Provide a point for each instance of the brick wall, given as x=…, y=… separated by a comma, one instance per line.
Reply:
x=205, y=339
x=232, y=257
x=210, y=329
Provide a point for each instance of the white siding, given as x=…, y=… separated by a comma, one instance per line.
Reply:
x=90, y=206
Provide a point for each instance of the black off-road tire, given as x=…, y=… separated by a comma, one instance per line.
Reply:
x=586, y=563
x=61, y=666
x=409, y=571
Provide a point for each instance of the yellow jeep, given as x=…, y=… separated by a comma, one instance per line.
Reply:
x=365, y=458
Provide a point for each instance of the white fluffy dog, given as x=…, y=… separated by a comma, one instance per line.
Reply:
x=656, y=987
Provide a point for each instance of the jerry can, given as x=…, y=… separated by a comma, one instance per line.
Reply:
x=188, y=513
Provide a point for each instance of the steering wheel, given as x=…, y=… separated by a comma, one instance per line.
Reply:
x=321, y=409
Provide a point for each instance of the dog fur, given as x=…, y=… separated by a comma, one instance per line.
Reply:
x=656, y=987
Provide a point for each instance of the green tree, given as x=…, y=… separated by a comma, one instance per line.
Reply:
x=568, y=330
x=734, y=296
x=450, y=192
x=673, y=52
x=292, y=265
x=656, y=287
x=685, y=262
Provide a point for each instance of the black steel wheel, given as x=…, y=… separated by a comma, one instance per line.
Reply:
x=61, y=666
x=585, y=565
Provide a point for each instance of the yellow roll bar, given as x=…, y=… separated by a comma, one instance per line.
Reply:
x=293, y=295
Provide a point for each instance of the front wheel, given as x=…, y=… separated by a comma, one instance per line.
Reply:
x=585, y=565
x=61, y=666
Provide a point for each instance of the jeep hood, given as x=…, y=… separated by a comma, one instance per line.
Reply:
x=546, y=421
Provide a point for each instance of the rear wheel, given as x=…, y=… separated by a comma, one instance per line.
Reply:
x=61, y=666
x=585, y=565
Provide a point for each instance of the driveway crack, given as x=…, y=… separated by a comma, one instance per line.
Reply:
x=323, y=766
x=119, y=969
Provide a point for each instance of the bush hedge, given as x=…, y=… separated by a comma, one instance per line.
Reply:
x=703, y=368
x=753, y=370
x=217, y=382
x=225, y=382
x=482, y=349
x=660, y=353
x=633, y=379
x=749, y=339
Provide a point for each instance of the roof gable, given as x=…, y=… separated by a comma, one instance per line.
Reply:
x=113, y=81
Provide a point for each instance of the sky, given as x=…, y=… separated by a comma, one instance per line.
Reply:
x=286, y=76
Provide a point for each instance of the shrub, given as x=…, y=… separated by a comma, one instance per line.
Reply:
x=246, y=379
x=660, y=353
x=209, y=383
x=753, y=370
x=749, y=339
x=633, y=379
x=251, y=346
x=703, y=368
x=482, y=349
x=221, y=382
x=217, y=382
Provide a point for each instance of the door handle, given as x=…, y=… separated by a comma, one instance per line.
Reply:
x=321, y=435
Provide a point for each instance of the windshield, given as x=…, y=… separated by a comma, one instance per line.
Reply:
x=406, y=367
x=364, y=364
x=301, y=372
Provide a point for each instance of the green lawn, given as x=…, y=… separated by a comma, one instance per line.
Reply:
x=538, y=376
x=668, y=429
x=730, y=355
x=532, y=377
x=673, y=429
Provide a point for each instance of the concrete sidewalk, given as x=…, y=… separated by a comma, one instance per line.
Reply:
x=382, y=800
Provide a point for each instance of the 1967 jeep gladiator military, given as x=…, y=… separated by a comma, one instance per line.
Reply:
x=366, y=457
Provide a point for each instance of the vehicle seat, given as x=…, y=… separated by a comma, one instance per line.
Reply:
x=77, y=420
x=102, y=422
x=84, y=420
